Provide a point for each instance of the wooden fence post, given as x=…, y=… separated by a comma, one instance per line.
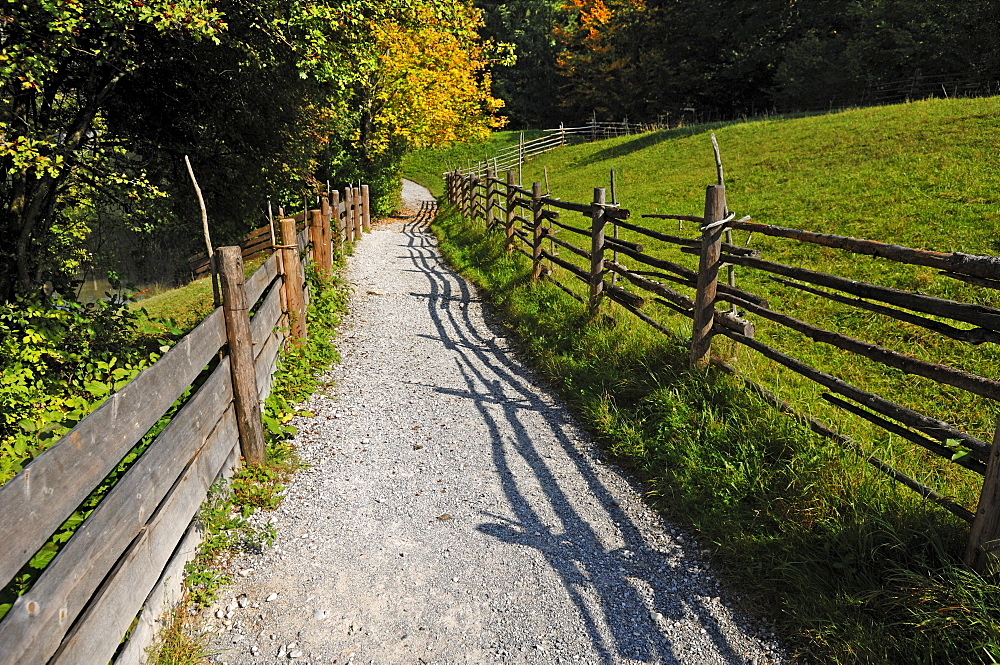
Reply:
x=336, y=228
x=315, y=221
x=236, y=310
x=984, y=541
x=324, y=208
x=536, y=231
x=348, y=219
x=599, y=219
x=293, y=280
x=510, y=209
x=490, y=217
x=708, y=276
x=366, y=211
x=356, y=197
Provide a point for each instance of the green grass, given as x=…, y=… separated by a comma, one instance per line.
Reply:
x=427, y=166
x=925, y=175
x=854, y=567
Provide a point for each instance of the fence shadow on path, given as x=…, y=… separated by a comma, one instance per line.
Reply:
x=603, y=584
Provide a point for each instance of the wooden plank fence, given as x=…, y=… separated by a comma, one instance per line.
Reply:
x=124, y=564
x=530, y=219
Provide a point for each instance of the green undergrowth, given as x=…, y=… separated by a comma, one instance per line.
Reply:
x=849, y=566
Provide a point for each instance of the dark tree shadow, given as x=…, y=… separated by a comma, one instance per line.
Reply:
x=623, y=625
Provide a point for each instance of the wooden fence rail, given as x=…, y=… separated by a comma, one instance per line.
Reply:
x=124, y=563
x=544, y=218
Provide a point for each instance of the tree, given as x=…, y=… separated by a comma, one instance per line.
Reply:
x=101, y=101
x=60, y=63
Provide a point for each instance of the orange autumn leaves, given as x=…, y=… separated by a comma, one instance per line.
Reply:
x=433, y=84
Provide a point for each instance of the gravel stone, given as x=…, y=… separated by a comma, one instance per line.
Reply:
x=453, y=511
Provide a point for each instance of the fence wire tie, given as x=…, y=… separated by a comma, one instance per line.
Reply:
x=722, y=222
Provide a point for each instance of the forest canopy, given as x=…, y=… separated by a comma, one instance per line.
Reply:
x=101, y=100
x=650, y=59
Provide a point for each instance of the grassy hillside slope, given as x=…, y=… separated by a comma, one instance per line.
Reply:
x=852, y=567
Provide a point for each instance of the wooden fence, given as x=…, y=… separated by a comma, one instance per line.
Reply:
x=123, y=566
x=530, y=221
x=513, y=156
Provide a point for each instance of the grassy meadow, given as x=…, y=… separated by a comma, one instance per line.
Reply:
x=854, y=567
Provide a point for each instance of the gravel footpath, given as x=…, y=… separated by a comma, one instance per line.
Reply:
x=454, y=512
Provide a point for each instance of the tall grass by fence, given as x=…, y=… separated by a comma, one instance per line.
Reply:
x=124, y=563
x=539, y=225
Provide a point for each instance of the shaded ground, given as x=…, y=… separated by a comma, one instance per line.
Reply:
x=455, y=513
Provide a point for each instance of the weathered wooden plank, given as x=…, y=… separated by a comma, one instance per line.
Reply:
x=987, y=267
x=156, y=609
x=850, y=444
x=261, y=279
x=584, y=208
x=987, y=317
x=33, y=628
x=38, y=499
x=975, y=384
x=266, y=364
x=266, y=317
x=95, y=636
x=932, y=427
x=974, y=336
x=928, y=444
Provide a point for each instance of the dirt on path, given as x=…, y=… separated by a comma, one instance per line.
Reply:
x=454, y=512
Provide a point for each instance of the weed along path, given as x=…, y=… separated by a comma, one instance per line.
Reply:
x=453, y=511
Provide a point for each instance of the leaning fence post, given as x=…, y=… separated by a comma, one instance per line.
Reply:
x=509, y=209
x=236, y=311
x=984, y=541
x=708, y=275
x=599, y=219
x=490, y=220
x=366, y=211
x=293, y=279
x=536, y=231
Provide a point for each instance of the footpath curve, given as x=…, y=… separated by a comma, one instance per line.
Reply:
x=454, y=512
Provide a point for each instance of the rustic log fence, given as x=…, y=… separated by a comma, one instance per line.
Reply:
x=513, y=156
x=122, y=568
x=529, y=219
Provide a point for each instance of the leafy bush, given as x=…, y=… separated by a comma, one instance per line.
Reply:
x=60, y=359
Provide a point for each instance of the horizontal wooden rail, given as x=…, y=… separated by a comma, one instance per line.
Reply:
x=965, y=264
x=979, y=315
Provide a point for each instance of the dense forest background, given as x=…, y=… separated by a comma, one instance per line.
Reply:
x=101, y=100
x=651, y=59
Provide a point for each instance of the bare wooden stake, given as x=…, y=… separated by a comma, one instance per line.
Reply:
x=718, y=160
x=216, y=299
x=236, y=310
